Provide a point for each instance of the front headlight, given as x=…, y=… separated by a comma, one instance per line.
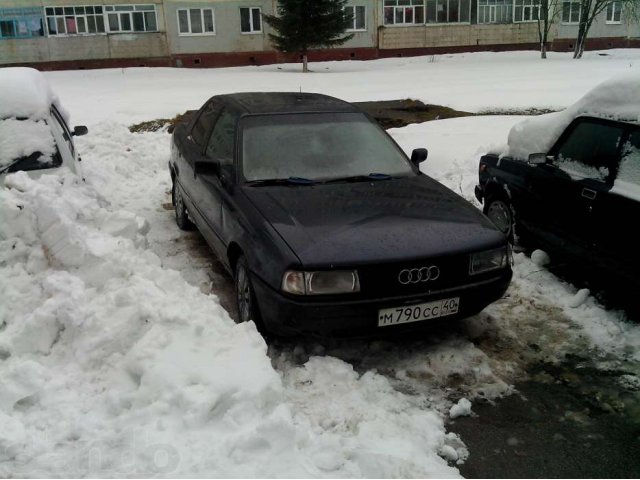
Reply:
x=321, y=283
x=490, y=260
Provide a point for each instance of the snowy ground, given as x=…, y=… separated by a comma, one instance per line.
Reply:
x=116, y=358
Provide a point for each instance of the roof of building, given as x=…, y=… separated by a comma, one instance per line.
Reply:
x=286, y=102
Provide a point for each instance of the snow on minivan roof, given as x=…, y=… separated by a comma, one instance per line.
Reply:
x=615, y=99
x=25, y=93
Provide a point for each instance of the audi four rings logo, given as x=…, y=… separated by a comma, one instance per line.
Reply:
x=417, y=275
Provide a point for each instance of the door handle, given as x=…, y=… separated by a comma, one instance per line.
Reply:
x=589, y=194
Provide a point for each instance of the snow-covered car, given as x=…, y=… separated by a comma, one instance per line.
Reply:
x=34, y=132
x=569, y=182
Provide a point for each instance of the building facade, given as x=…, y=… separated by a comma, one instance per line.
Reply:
x=204, y=33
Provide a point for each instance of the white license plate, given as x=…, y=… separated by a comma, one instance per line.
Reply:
x=419, y=312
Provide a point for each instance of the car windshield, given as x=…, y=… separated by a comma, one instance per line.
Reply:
x=318, y=147
x=26, y=144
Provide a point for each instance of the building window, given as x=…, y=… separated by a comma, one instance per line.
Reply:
x=131, y=18
x=448, y=11
x=526, y=10
x=21, y=23
x=495, y=11
x=196, y=21
x=403, y=12
x=76, y=20
x=250, y=19
x=571, y=11
x=358, y=17
x=614, y=12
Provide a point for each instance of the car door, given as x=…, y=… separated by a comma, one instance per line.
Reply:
x=212, y=188
x=617, y=239
x=192, y=151
x=571, y=186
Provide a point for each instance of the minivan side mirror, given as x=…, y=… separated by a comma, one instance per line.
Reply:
x=419, y=155
x=80, y=130
x=538, y=158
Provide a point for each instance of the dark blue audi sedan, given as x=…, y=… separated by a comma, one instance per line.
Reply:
x=324, y=223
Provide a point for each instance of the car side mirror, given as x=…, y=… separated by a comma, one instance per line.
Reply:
x=539, y=158
x=419, y=155
x=80, y=130
x=206, y=168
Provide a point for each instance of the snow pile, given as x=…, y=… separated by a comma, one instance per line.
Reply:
x=21, y=138
x=460, y=409
x=363, y=427
x=25, y=93
x=614, y=99
x=111, y=365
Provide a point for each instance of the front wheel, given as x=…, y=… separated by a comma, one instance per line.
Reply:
x=500, y=213
x=245, y=298
x=182, y=217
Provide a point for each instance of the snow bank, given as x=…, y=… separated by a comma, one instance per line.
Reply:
x=25, y=93
x=614, y=99
x=111, y=365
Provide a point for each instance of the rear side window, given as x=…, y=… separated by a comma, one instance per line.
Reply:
x=222, y=139
x=202, y=127
x=590, y=150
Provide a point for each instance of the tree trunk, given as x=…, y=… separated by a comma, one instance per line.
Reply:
x=583, y=30
x=543, y=50
x=580, y=41
x=305, y=68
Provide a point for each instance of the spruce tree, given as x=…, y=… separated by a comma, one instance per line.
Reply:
x=301, y=25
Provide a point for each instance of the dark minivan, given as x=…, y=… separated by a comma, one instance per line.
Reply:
x=325, y=224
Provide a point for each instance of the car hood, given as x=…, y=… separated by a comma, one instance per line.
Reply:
x=365, y=222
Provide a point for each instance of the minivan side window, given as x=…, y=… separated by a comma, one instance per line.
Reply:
x=590, y=150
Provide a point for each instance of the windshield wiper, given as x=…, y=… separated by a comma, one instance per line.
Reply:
x=282, y=181
x=361, y=178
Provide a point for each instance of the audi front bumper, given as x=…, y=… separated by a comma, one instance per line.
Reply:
x=284, y=315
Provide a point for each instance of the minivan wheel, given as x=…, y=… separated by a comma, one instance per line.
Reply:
x=500, y=213
x=182, y=217
x=245, y=298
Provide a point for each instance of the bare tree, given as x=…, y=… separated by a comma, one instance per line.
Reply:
x=589, y=10
x=547, y=15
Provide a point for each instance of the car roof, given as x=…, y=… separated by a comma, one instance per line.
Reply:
x=25, y=93
x=285, y=102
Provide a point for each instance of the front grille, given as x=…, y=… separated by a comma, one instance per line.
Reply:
x=381, y=280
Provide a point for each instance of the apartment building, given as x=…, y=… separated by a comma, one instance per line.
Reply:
x=191, y=33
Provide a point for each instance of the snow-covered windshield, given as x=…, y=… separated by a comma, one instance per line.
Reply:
x=318, y=146
x=26, y=141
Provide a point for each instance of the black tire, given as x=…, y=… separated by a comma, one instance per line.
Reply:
x=182, y=217
x=500, y=212
x=245, y=296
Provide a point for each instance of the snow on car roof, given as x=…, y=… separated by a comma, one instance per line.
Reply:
x=25, y=93
x=615, y=99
